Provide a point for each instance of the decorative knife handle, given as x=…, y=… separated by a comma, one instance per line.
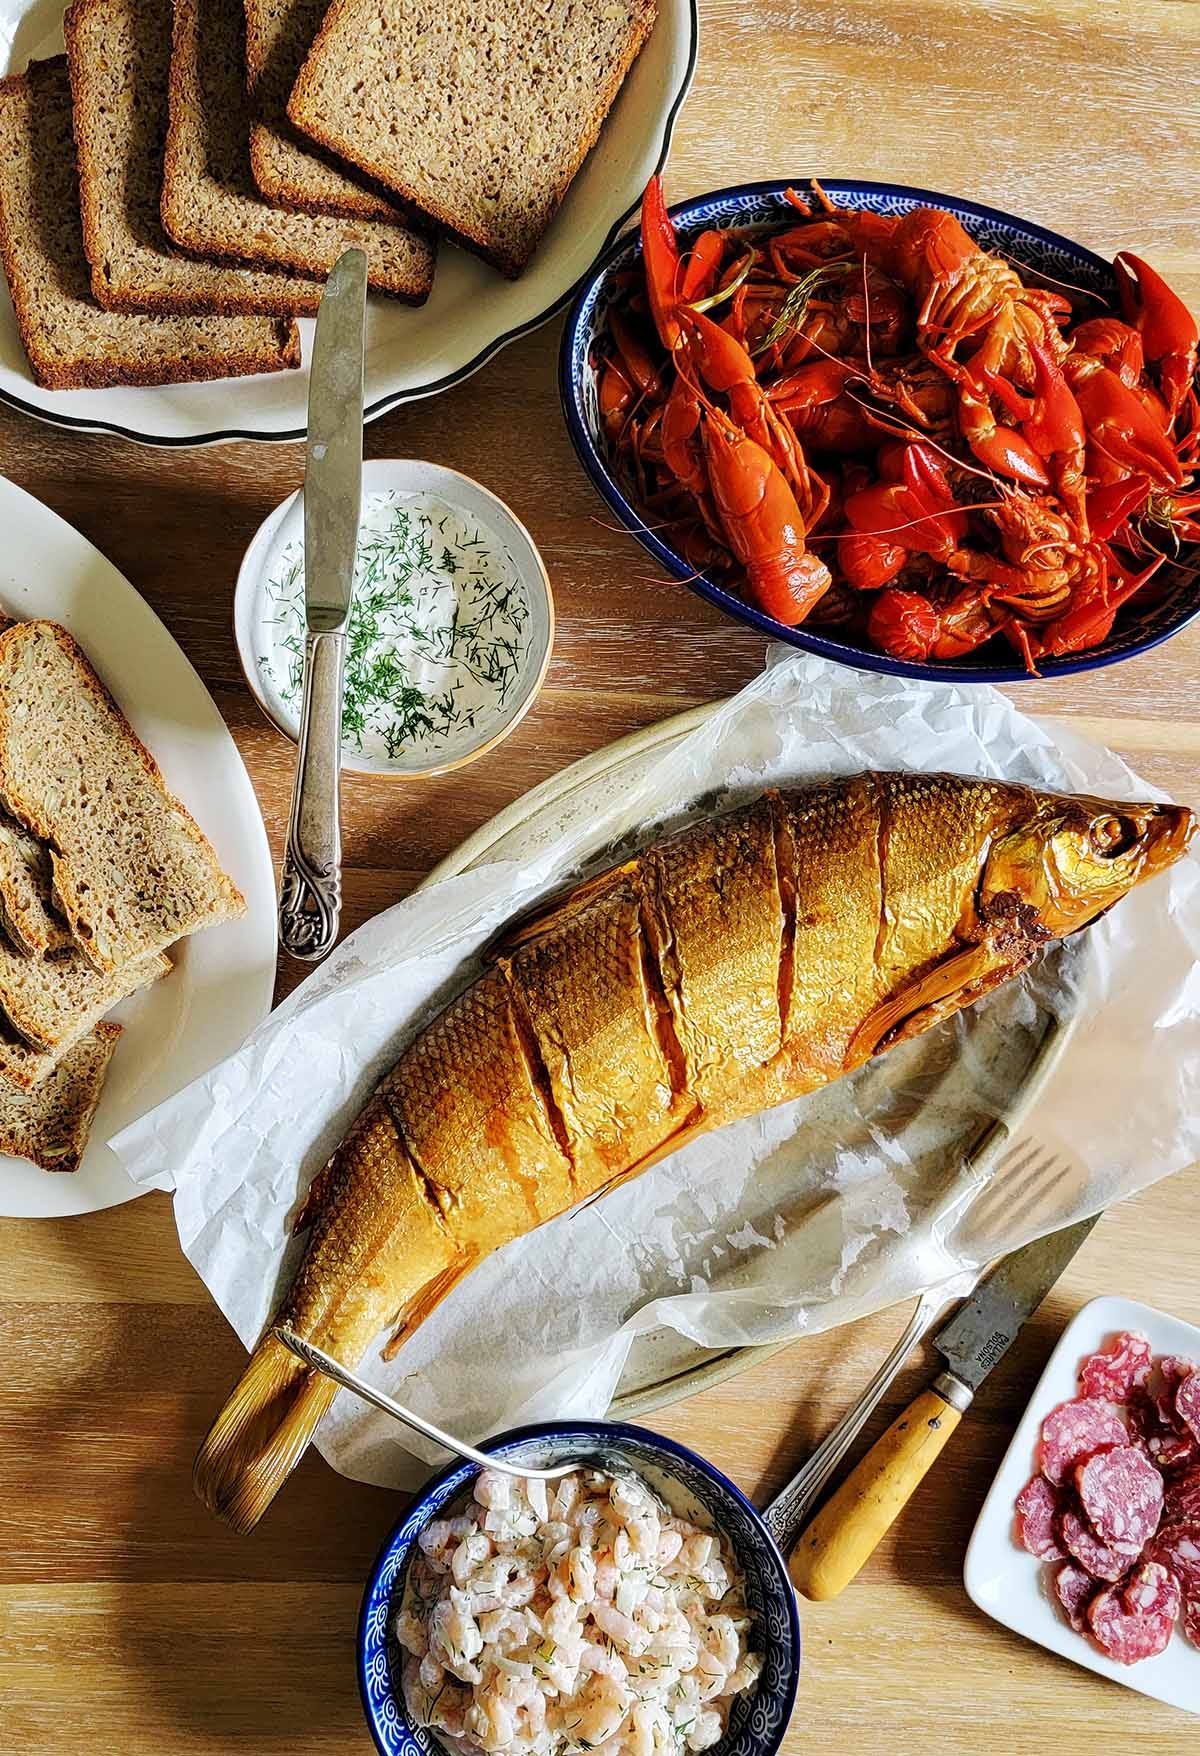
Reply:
x=310, y=887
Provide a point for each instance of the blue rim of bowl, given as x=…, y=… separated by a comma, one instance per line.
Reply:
x=602, y=1431
x=857, y=658
x=394, y=399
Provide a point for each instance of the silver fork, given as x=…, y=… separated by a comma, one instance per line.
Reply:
x=1024, y=1195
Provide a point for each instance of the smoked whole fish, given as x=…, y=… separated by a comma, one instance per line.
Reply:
x=750, y=959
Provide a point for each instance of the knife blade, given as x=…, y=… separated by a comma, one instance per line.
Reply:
x=310, y=891
x=984, y=1327
x=849, y=1527
x=333, y=454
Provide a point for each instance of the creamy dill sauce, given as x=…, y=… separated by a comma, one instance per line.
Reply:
x=438, y=634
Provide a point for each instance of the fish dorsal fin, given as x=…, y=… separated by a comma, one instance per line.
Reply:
x=554, y=911
x=936, y=992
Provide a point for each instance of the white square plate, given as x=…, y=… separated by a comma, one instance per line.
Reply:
x=1012, y=1586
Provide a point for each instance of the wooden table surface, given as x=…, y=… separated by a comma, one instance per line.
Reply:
x=132, y=1623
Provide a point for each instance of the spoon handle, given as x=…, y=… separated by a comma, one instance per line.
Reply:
x=320, y=1361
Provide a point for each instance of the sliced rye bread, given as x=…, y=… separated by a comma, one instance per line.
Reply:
x=132, y=872
x=27, y=911
x=119, y=55
x=288, y=169
x=70, y=341
x=477, y=112
x=50, y=1124
x=52, y=1001
x=210, y=205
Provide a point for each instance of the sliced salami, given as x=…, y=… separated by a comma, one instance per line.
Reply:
x=1170, y=1371
x=1073, y=1588
x=1126, y=1635
x=1152, y=1590
x=1187, y=1403
x=1037, y=1505
x=1181, y=1502
x=1177, y=1546
x=1191, y=1619
x=1172, y=1451
x=1073, y=1430
x=1119, y=1370
x=1122, y=1494
x=1096, y=1558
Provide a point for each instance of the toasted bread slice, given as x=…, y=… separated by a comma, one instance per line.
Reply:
x=289, y=170
x=27, y=912
x=132, y=873
x=70, y=341
x=50, y=1124
x=477, y=112
x=210, y=205
x=119, y=55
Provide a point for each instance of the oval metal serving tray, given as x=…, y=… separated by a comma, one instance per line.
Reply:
x=663, y=1365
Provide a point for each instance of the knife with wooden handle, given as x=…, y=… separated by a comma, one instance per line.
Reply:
x=849, y=1527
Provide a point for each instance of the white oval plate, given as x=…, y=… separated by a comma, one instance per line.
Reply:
x=223, y=979
x=411, y=352
x=1010, y=1585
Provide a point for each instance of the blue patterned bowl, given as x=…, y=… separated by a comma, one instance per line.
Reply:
x=1166, y=606
x=757, y=1721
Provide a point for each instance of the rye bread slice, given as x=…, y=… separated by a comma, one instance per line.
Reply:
x=288, y=169
x=70, y=341
x=27, y=913
x=132, y=873
x=53, y=1001
x=50, y=1124
x=119, y=55
x=477, y=112
x=210, y=205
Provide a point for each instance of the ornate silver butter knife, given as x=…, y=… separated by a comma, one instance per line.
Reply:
x=310, y=889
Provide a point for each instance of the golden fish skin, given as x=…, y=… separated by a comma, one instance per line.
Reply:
x=715, y=921
x=744, y=962
x=467, y=1101
x=596, y=1024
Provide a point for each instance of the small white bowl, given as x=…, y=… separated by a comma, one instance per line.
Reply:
x=403, y=476
x=1010, y=1585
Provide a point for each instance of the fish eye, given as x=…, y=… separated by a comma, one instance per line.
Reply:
x=1113, y=835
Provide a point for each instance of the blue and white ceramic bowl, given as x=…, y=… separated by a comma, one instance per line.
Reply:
x=686, y=1482
x=1168, y=603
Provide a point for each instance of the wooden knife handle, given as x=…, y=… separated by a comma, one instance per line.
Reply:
x=849, y=1527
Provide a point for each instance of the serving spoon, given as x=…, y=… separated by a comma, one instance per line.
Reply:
x=320, y=1361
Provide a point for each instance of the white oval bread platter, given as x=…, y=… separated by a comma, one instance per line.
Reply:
x=222, y=981
x=411, y=352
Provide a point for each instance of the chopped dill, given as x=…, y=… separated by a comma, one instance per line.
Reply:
x=437, y=635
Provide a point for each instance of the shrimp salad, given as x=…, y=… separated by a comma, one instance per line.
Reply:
x=578, y=1615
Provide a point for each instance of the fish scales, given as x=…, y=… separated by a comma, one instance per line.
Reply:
x=751, y=959
x=584, y=985
x=715, y=921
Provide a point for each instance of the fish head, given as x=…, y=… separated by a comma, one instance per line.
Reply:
x=1075, y=857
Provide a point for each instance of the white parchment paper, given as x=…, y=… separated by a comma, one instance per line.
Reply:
x=790, y=1222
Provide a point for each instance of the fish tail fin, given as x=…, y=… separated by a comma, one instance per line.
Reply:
x=260, y=1435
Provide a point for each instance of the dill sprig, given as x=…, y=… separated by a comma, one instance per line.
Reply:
x=792, y=312
x=437, y=634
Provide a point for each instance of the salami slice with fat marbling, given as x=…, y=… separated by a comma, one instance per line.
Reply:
x=1187, y=1403
x=1127, y=1635
x=1119, y=1370
x=1073, y=1430
x=1096, y=1558
x=1191, y=1619
x=1177, y=1546
x=1152, y=1590
x=1121, y=1493
x=1181, y=1500
x=1073, y=1589
x=1037, y=1506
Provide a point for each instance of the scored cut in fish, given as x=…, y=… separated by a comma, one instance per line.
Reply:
x=749, y=960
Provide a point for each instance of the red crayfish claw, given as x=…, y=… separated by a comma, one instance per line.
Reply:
x=1167, y=328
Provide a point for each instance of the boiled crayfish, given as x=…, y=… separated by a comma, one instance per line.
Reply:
x=872, y=422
